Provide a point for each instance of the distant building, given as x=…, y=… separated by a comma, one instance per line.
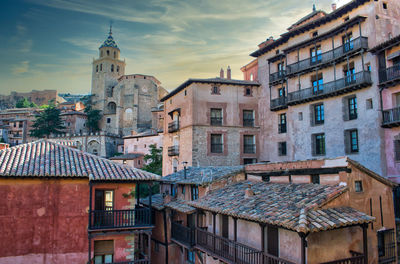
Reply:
x=134, y=160
x=74, y=98
x=211, y=122
x=250, y=71
x=37, y=97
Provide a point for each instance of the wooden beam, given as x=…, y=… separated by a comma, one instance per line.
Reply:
x=365, y=242
x=288, y=172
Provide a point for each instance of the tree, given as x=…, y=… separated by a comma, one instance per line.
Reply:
x=153, y=160
x=47, y=122
x=24, y=103
x=93, y=115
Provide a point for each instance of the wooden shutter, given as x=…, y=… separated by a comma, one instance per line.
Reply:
x=104, y=247
x=397, y=150
x=99, y=200
x=273, y=242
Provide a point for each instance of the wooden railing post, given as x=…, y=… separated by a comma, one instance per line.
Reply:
x=365, y=243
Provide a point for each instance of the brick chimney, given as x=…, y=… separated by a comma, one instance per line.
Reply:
x=333, y=6
x=228, y=73
x=266, y=42
x=221, y=73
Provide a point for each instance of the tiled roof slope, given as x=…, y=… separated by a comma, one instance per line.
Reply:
x=202, y=175
x=43, y=158
x=292, y=206
x=157, y=201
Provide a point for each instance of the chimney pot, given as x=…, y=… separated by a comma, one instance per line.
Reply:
x=333, y=6
x=228, y=73
x=221, y=73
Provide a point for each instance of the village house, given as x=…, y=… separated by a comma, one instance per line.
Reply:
x=319, y=93
x=63, y=205
x=211, y=122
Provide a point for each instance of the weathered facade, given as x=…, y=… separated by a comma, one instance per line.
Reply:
x=37, y=97
x=320, y=95
x=211, y=122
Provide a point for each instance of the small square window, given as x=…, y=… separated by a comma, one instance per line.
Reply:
x=368, y=66
x=300, y=116
x=369, y=104
x=185, y=92
x=170, y=101
x=248, y=91
x=277, y=51
x=384, y=5
x=108, y=120
x=315, y=179
x=358, y=186
x=215, y=90
x=282, y=149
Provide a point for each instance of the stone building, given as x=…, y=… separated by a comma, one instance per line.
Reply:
x=211, y=122
x=35, y=96
x=125, y=100
x=250, y=71
x=319, y=85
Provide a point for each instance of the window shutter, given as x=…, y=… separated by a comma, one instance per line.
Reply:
x=104, y=247
x=345, y=108
x=312, y=115
x=313, y=152
x=397, y=150
x=347, y=141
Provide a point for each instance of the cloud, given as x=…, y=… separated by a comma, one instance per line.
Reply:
x=20, y=68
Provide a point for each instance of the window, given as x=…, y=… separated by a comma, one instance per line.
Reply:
x=352, y=104
x=101, y=67
x=358, y=186
x=103, y=251
x=386, y=245
x=108, y=120
x=282, y=123
x=104, y=200
x=350, y=74
x=282, y=149
x=315, y=179
x=368, y=66
x=249, y=145
x=351, y=141
x=97, y=68
x=124, y=162
x=117, y=68
x=300, y=116
x=316, y=54
x=317, y=84
x=194, y=192
x=251, y=77
x=190, y=256
x=384, y=5
x=215, y=90
x=315, y=34
x=397, y=150
x=112, y=67
x=216, y=117
x=281, y=69
x=369, y=104
x=318, y=144
x=216, y=143
x=348, y=43
x=346, y=18
x=112, y=108
x=115, y=54
x=248, y=118
x=281, y=92
x=173, y=190
x=319, y=117
x=185, y=92
x=108, y=53
x=249, y=161
x=247, y=92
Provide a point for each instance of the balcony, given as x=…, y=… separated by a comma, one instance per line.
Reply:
x=248, y=122
x=278, y=103
x=277, y=76
x=216, y=121
x=249, y=148
x=230, y=251
x=345, y=85
x=389, y=76
x=139, y=261
x=183, y=234
x=173, y=126
x=119, y=219
x=173, y=151
x=391, y=117
x=324, y=59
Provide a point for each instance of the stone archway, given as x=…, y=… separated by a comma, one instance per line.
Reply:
x=93, y=147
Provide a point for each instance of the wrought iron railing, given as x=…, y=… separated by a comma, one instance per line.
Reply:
x=352, y=260
x=216, y=121
x=183, y=234
x=386, y=246
x=279, y=102
x=277, y=76
x=352, y=46
x=391, y=116
x=249, y=148
x=330, y=88
x=173, y=151
x=173, y=126
x=389, y=74
x=110, y=219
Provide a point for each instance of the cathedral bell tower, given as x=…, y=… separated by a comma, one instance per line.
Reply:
x=105, y=72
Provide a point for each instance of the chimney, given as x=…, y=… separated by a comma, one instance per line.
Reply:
x=228, y=73
x=248, y=193
x=221, y=73
x=333, y=6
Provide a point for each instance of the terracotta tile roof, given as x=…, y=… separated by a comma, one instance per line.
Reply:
x=43, y=158
x=128, y=156
x=180, y=206
x=292, y=206
x=202, y=175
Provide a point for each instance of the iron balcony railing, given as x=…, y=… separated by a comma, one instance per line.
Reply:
x=386, y=246
x=233, y=252
x=183, y=234
x=389, y=74
x=347, y=84
x=114, y=219
x=278, y=103
x=326, y=57
x=248, y=122
x=277, y=76
x=173, y=126
x=391, y=116
x=216, y=121
x=360, y=259
x=139, y=261
x=173, y=151
x=217, y=147
x=249, y=148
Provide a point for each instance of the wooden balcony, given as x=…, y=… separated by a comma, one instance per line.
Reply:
x=278, y=103
x=230, y=251
x=119, y=219
x=390, y=76
x=352, y=260
x=277, y=76
x=173, y=151
x=182, y=234
x=139, y=261
x=326, y=58
x=391, y=117
x=173, y=126
x=341, y=86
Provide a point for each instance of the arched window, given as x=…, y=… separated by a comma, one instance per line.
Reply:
x=108, y=53
x=97, y=68
x=128, y=117
x=112, y=67
x=115, y=55
x=112, y=108
x=251, y=77
x=101, y=67
x=117, y=68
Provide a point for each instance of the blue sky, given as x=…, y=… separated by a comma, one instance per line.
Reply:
x=50, y=44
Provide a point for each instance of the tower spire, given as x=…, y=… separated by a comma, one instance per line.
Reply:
x=110, y=33
x=314, y=8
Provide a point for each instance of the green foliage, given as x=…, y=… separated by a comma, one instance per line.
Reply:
x=47, y=122
x=144, y=189
x=153, y=160
x=24, y=103
x=93, y=115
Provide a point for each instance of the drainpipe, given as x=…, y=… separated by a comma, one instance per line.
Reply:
x=165, y=235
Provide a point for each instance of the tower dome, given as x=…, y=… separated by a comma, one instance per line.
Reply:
x=109, y=42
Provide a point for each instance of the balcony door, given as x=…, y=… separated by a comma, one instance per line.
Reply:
x=103, y=206
x=273, y=241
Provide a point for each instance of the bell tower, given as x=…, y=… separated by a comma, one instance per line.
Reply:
x=106, y=70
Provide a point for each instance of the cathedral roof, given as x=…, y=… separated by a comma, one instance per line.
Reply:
x=109, y=42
